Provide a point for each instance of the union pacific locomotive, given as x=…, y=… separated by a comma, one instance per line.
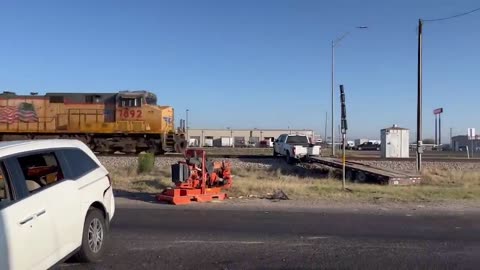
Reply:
x=127, y=121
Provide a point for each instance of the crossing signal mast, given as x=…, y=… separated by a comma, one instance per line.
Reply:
x=344, y=128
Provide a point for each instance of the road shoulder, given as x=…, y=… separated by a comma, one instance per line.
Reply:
x=319, y=206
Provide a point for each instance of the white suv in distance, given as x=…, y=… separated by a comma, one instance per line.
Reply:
x=56, y=200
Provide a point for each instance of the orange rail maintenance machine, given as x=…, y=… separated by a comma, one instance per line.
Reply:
x=197, y=179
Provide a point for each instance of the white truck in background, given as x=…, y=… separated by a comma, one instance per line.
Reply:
x=295, y=148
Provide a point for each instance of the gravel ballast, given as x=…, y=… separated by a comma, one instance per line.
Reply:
x=117, y=162
x=112, y=162
x=409, y=166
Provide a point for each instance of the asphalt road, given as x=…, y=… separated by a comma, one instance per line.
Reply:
x=169, y=237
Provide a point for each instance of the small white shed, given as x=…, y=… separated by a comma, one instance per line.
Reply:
x=394, y=142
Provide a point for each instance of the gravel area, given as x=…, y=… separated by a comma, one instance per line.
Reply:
x=409, y=166
x=112, y=163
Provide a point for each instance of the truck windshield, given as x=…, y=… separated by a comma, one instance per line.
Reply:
x=297, y=139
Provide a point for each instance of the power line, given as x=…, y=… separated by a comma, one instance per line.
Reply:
x=454, y=16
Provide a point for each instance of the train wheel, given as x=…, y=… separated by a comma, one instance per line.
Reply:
x=138, y=151
x=129, y=148
x=180, y=146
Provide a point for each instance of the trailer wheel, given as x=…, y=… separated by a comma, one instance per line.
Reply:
x=361, y=177
x=350, y=175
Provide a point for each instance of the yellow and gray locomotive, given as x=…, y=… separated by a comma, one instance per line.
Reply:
x=127, y=121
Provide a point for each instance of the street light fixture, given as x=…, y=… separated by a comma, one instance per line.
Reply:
x=335, y=43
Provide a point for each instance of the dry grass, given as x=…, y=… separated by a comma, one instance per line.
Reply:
x=439, y=185
x=452, y=178
x=127, y=179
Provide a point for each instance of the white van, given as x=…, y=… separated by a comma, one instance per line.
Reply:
x=56, y=200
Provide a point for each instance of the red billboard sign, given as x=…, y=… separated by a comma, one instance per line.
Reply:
x=438, y=111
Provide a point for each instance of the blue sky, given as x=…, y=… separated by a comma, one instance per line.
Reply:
x=246, y=64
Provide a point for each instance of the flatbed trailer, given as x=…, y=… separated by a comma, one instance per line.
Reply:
x=360, y=172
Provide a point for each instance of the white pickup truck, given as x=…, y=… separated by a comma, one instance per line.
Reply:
x=294, y=147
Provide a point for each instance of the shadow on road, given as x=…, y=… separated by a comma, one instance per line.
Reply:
x=136, y=195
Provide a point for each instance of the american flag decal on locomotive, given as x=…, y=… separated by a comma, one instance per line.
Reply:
x=24, y=112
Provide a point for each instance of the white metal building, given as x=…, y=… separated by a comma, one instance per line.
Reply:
x=394, y=142
x=462, y=143
x=239, y=137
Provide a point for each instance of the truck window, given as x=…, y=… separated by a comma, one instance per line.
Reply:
x=297, y=140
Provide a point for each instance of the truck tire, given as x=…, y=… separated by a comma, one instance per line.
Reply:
x=289, y=159
x=94, y=237
x=275, y=154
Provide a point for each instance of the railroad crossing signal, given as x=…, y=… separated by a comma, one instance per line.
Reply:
x=344, y=126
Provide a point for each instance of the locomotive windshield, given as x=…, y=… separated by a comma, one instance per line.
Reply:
x=151, y=99
x=136, y=98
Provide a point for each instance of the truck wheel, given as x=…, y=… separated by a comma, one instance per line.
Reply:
x=289, y=159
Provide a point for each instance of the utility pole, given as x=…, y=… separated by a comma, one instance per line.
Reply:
x=436, y=132
x=333, y=85
x=419, y=99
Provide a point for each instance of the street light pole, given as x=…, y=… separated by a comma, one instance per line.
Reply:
x=186, y=126
x=334, y=43
x=326, y=123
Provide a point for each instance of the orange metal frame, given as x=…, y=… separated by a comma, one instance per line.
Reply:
x=185, y=193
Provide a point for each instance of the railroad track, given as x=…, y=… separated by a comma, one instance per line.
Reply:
x=354, y=158
x=177, y=155
x=430, y=159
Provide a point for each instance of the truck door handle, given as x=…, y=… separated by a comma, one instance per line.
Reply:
x=41, y=213
x=30, y=218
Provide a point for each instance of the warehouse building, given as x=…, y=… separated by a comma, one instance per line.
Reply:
x=239, y=137
x=462, y=142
